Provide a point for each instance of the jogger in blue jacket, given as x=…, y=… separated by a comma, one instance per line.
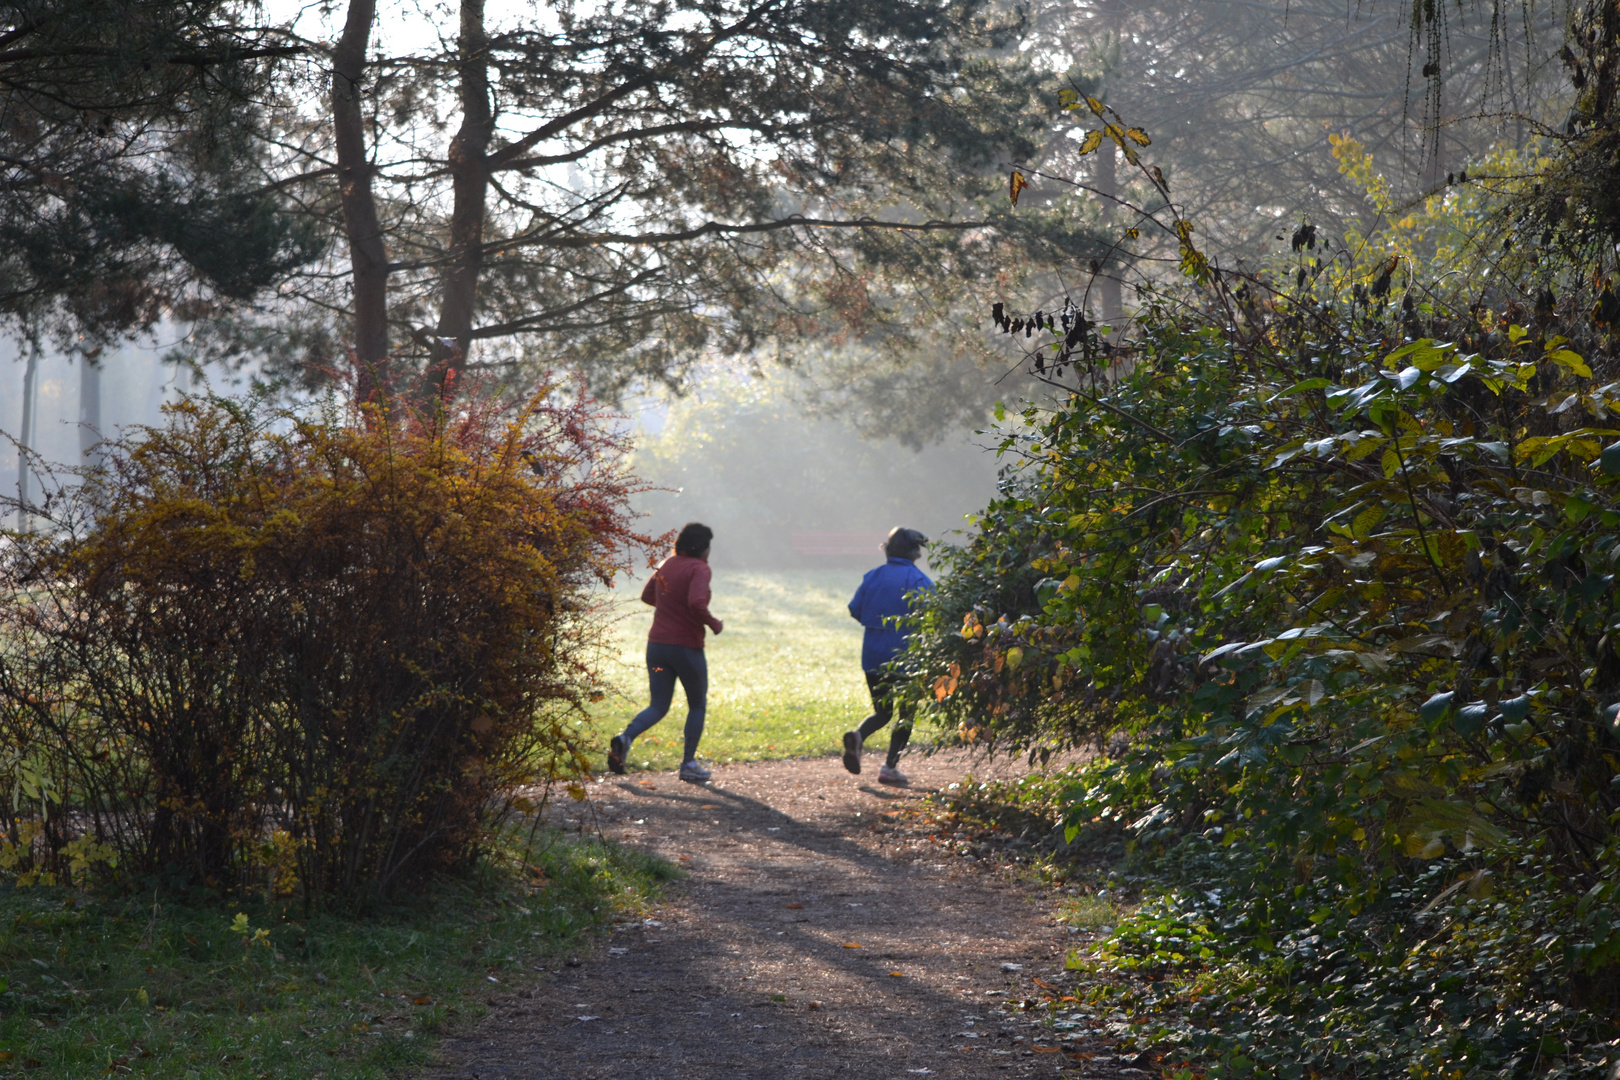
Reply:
x=883, y=598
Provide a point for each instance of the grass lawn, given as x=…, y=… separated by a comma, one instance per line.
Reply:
x=154, y=987
x=784, y=679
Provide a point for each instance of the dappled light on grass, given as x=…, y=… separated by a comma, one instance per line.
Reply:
x=784, y=679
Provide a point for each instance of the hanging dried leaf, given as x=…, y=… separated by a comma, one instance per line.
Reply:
x=1016, y=183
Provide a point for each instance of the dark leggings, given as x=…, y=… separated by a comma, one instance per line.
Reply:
x=665, y=664
x=884, y=687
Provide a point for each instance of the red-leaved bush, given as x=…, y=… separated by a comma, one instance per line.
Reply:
x=310, y=651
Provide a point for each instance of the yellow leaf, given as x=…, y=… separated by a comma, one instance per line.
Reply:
x=1015, y=184
x=1069, y=98
x=1090, y=143
x=1015, y=656
x=1096, y=106
x=1134, y=234
x=1138, y=136
x=576, y=792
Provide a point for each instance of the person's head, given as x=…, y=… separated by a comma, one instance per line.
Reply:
x=904, y=543
x=694, y=540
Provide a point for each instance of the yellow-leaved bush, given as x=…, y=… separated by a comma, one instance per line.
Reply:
x=317, y=652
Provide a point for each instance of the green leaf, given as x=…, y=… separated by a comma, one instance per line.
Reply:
x=1470, y=718
x=1609, y=462
x=1435, y=709
x=1304, y=385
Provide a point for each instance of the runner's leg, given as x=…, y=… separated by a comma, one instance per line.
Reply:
x=877, y=684
x=661, y=687
x=901, y=733
x=693, y=670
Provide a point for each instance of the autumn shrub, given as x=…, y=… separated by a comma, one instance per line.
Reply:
x=302, y=650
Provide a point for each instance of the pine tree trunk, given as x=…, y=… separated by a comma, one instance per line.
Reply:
x=89, y=410
x=25, y=439
x=368, y=257
x=469, y=171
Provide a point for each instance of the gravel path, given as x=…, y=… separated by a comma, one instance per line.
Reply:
x=821, y=933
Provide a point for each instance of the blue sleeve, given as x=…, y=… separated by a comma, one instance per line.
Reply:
x=856, y=600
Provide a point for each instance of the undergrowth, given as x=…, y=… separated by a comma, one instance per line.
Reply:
x=1219, y=960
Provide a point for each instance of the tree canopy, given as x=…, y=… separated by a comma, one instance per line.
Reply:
x=130, y=129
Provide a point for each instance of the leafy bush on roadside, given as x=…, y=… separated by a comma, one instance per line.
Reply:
x=303, y=652
x=1330, y=573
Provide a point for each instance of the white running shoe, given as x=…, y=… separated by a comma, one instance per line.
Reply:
x=892, y=776
x=693, y=773
x=852, y=752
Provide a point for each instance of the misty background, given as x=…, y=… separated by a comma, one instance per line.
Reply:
x=745, y=451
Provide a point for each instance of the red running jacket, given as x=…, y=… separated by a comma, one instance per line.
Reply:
x=679, y=594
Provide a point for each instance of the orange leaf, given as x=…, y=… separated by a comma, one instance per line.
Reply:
x=1045, y=1049
x=852, y=944
x=796, y=907
x=897, y=974
x=1015, y=184
x=1042, y=983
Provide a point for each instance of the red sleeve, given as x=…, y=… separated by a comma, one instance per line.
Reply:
x=697, y=596
x=649, y=591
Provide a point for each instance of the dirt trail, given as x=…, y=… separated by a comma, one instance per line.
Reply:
x=748, y=969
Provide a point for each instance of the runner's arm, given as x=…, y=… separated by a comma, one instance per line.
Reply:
x=697, y=599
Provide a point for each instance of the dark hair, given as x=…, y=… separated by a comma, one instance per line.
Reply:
x=904, y=543
x=694, y=539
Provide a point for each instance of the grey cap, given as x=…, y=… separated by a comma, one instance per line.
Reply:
x=904, y=543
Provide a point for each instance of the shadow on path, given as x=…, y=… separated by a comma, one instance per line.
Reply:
x=813, y=938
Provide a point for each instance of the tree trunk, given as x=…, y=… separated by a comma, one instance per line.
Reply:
x=26, y=439
x=368, y=257
x=1107, y=302
x=89, y=411
x=469, y=172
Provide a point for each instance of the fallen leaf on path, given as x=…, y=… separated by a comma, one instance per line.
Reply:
x=1045, y=1049
x=852, y=944
x=1042, y=983
x=897, y=974
x=815, y=1004
x=424, y=1000
x=796, y=907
